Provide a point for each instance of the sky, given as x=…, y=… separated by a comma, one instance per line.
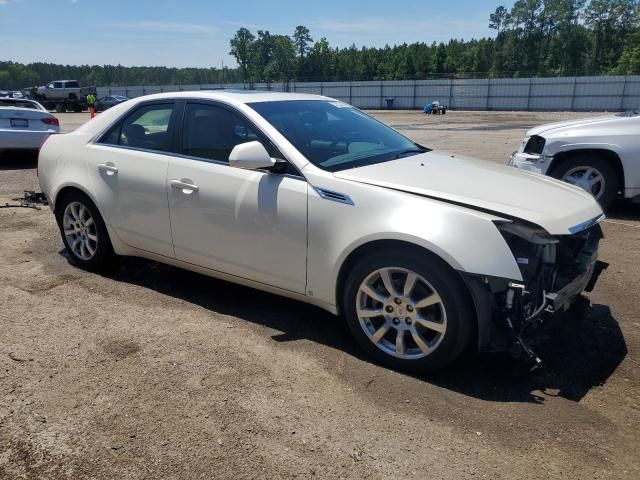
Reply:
x=196, y=33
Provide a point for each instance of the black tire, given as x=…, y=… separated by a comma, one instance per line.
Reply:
x=77, y=108
x=604, y=167
x=61, y=108
x=460, y=313
x=103, y=251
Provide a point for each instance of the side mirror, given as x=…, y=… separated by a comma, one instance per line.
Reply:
x=250, y=155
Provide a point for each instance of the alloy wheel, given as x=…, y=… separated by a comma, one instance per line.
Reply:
x=587, y=178
x=401, y=313
x=80, y=230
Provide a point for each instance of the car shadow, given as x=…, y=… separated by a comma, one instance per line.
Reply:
x=581, y=352
x=18, y=160
x=624, y=210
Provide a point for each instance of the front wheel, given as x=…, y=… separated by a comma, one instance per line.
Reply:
x=591, y=173
x=83, y=231
x=408, y=310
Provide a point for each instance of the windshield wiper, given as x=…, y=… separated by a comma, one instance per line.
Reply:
x=415, y=150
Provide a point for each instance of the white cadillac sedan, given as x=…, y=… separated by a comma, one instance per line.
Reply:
x=24, y=124
x=423, y=253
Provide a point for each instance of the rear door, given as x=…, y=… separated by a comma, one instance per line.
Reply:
x=129, y=171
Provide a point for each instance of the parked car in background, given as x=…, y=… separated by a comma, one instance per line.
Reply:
x=11, y=94
x=600, y=155
x=308, y=197
x=24, y=124
x=105, y=103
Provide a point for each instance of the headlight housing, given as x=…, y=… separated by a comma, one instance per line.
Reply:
x=529, y=245
x=535, y=145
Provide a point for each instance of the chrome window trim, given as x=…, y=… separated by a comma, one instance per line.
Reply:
x=189, y=157
x=97, y=139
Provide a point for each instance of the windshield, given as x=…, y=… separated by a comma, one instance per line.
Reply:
x=335, y=136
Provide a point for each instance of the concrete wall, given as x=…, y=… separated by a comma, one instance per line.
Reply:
x=557, y=93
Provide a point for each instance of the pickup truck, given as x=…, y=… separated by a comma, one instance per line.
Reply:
x=63, y=95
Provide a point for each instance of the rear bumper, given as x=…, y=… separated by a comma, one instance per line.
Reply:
x=23, y=139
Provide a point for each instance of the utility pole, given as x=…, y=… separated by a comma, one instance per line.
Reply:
x=222, y=62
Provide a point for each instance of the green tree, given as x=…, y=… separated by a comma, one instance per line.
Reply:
x=498, y=18
x=241, y=45
x=302, y=40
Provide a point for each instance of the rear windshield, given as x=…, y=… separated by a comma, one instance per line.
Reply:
x=19, y=104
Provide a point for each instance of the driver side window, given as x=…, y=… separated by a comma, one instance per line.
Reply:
x=210, y=132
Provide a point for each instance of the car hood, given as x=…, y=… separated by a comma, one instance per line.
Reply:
x=557, y=207
x=570, y=124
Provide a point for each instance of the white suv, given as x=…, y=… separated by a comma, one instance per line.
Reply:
x=598, y=154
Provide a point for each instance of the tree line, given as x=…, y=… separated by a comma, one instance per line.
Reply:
x=533, y=38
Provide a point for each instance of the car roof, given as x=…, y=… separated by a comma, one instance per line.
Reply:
x=240, y=96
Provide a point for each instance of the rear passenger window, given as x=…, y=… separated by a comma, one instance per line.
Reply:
x=146, y=128
x=211, y=132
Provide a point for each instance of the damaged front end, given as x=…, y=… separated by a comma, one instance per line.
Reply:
x=555, y=271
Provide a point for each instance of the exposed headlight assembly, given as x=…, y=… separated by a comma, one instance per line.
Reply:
x=530, y=245
x=530, y=233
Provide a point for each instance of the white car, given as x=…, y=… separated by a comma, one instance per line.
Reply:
x=599, y=155
x=24, y=124
x=424, y=253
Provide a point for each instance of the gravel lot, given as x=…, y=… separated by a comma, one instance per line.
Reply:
x=153, y=372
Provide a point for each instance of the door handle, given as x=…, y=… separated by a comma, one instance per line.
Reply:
x=186, y=187
x=110, y=169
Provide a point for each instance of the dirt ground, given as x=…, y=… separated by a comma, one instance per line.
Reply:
x=150, y=372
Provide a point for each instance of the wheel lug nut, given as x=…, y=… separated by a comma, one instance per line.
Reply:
x=396, y=321
x=398, y=301
x=409, y=308
x=408, y=321
x=389, y=309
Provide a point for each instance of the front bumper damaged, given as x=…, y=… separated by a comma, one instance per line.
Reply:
x=509, y=312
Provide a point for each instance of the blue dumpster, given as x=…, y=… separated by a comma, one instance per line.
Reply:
x=389, y=103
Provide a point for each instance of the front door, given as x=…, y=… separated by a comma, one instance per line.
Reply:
x=129, y=171
x=247, y=223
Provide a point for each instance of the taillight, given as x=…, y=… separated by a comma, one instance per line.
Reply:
x=51, y=121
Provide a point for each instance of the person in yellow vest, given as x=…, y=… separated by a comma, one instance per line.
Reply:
x=91, y=103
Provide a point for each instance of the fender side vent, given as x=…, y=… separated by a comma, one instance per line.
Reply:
x=334, y=196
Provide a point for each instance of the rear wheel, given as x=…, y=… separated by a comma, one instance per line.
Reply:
x=591, y=173
x=83, y=231
x=408, y=310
